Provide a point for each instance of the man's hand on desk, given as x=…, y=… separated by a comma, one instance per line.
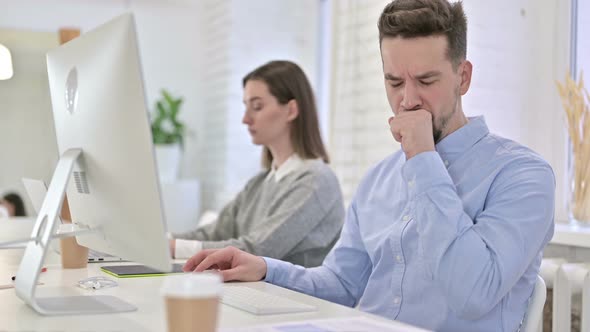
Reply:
x=232, y=263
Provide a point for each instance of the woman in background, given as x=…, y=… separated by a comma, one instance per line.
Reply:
x=293, y=209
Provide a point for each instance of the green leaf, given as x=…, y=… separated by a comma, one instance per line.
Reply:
x=166, y=127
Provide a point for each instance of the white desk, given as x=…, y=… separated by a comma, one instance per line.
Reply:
x=141, y=292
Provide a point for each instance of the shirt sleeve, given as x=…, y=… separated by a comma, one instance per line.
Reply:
x=301, y=209
x=186, y=248
x=477, y=261
x=224, y=226
x=342, y=277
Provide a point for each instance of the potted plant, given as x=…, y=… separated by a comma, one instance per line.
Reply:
x=168, y=135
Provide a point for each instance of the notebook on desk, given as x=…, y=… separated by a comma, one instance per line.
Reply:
x=136, y=271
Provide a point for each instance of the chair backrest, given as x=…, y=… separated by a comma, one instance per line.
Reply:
x=534, y=312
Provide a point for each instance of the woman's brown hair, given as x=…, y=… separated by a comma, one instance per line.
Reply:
x=286, y=81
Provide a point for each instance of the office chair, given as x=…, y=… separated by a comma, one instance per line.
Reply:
x=534, y=312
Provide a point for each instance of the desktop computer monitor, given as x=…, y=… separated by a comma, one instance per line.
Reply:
x=106, y=157
x=99, y=106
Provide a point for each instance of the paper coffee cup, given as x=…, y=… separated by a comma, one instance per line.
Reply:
x=192, y=301
x=73, y=255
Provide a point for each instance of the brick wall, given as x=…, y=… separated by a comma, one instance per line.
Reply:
x=359, y=135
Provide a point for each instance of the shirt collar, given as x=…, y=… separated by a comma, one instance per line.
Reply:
x=454, y=145
x=290, y=165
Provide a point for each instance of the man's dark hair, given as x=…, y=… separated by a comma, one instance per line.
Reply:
x=424, y=18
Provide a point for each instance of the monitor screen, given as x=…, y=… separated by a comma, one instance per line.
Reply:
x=99, y=107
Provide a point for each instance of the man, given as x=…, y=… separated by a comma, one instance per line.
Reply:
x=446, y=234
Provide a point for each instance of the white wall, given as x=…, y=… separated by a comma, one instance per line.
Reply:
x=165, y=31
x=583, y=47
x=359, y=134
x=25, y=108
x=518, y=48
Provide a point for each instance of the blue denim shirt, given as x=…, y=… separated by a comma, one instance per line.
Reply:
x=449, y=240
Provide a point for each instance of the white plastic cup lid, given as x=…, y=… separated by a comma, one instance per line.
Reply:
x=193, y=285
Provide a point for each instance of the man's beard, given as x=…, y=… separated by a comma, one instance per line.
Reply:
x=436, y=134
x=438, y=128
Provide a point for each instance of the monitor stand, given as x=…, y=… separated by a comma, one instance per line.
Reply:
x=32, y=262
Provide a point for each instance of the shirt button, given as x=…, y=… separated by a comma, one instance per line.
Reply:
x=405, y=218
x=411, y=183
x=397, y=300
x=446, y=163
x=399, y=258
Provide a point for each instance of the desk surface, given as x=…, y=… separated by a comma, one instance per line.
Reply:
x=143, y=293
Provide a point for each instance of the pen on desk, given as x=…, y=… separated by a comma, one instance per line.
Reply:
x=42, y=270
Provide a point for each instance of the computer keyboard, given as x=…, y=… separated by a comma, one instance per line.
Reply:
x=260, y=303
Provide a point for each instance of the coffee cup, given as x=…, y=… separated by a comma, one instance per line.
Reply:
x=192, y=301
x=73, y=255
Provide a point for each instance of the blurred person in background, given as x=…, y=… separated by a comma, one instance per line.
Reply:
x=11, y=205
